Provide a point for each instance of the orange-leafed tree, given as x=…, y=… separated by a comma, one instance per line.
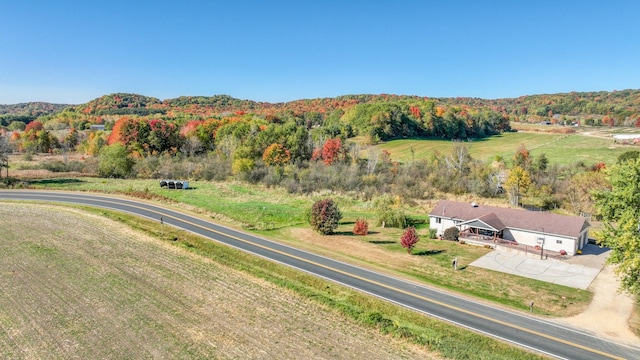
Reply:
x=127, y=131
x=331, y=152
x=276, y=155
x=33, y=126
x=522, y=157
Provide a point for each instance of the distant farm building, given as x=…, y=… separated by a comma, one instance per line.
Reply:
x=627, y=138
x=96, y=127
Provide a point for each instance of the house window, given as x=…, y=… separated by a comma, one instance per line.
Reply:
x=558, y=241
x=438, y=220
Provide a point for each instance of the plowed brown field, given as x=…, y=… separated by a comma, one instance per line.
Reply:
x=73, y=285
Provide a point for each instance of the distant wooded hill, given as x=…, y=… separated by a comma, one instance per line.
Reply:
x=617, y=104
x=594, y=108
x=27, y=112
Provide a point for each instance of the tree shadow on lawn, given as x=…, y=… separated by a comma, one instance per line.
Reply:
x=381, y=242
x=59, y=181
x=350, y=233
x=428, y=252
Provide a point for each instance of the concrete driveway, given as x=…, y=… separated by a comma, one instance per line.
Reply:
x=577, y=271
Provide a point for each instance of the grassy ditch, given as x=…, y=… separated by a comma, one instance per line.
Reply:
x=447, y=340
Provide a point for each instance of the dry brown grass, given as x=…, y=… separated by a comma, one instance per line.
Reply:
x=79, y=286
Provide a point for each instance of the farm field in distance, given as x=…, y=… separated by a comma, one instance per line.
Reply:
x=564, y=149
x=78, y=285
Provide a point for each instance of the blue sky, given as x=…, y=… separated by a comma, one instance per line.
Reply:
x=74, y=51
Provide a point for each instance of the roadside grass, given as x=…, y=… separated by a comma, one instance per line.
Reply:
x=563, y=149
x=447, y=340
x=430, y=263
x=274, y=214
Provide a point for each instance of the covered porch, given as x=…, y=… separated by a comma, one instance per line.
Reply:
x=487, y=228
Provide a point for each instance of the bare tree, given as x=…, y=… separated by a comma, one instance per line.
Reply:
x=459, y=159
x=372, y=161
x=191, y=146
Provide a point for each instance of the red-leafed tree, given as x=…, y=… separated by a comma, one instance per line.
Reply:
x=325, y=216
x=331, y=151
x=190, y=128
x=276, y=155
x=409, y=239
x=415, y=111
x=361, y=227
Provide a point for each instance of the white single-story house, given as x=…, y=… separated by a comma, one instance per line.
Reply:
x=535, y=228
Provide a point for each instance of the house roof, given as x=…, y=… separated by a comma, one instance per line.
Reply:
x=489, y=221
x=501, y=218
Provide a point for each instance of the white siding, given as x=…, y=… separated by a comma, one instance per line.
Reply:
x=550, y=241
x=442, y=226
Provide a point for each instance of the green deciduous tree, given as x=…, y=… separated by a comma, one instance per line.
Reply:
x=628, y=156
x=325, y=216
x=114, y=161
x=620, y=211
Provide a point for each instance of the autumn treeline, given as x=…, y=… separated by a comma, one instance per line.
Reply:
x=305, y=145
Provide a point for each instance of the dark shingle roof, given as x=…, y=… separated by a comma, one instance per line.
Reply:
x=542, y=222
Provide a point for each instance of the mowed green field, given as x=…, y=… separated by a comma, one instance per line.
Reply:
x=558, y=148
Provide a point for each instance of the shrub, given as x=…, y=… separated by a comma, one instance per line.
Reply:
x=409, y=239
x=433, y=233
x=361, y=227
x=325, y=216
x=451, y=234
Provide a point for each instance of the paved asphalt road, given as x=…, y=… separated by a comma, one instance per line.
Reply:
x=535, y=334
